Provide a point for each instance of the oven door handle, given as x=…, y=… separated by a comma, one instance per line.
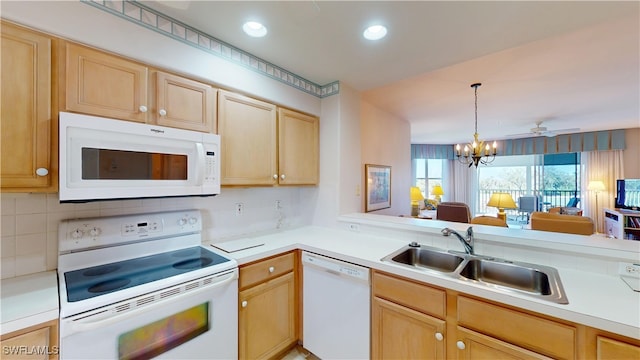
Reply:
x=85, y=324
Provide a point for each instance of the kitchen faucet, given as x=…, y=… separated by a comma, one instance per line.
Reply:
x=467, y=243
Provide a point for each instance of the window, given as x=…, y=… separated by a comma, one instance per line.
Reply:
x=428, y=174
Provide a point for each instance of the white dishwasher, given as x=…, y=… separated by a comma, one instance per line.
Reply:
x=336, y=307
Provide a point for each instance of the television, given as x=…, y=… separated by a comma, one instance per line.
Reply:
x=628, y=194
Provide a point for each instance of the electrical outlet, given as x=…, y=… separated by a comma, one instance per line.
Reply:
x=354, y=227
x=629, y=269
x=278, y=205
x=239, y=209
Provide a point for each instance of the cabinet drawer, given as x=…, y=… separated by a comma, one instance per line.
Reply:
x=525, y=330
x=413, y=295
x=267, y=269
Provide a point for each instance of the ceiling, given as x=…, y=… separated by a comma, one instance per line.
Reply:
x=573, y=64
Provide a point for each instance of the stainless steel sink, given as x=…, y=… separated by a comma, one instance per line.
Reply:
x=533, y=280
x=426, y=258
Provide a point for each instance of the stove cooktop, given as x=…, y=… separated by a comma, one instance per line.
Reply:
x=107, y=278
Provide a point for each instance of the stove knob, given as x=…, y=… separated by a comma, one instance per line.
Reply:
x=95, y=231
x=193, y=220
x=182, y=221
x=76, y=234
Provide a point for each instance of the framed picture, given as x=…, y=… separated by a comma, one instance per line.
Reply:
x=378, y=187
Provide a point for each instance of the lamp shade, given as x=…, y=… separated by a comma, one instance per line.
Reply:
x=595, y=185
x=437, y=190
x=416, y=194
x=502, y=201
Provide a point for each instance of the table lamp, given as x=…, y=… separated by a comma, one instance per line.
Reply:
x=438, y=192
x=416, y=197
x=502, y=201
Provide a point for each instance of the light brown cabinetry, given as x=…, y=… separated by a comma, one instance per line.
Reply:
x=29, y=153
x=406, y=319
x=36, y=342
x=264, y=145
x=268, y=307
x=102, y=84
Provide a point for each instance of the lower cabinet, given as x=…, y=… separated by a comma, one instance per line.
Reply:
x=474, y=345
x=267, y=319
x=36, y=342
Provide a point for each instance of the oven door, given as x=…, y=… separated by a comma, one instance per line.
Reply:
x=194, y=320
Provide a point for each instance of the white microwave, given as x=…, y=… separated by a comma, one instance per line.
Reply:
x=104, y=158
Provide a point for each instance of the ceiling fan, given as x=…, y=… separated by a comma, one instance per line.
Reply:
x=540, y=130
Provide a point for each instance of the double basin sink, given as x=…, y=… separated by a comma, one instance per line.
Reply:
x=538, y=281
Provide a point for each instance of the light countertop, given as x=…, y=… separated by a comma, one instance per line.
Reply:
x=28, y=300
x=602, y=301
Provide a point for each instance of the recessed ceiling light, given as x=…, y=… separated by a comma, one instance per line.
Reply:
x=375, y=32
x=255, y=29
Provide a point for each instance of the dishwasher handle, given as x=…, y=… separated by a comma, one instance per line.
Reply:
x=335, y=267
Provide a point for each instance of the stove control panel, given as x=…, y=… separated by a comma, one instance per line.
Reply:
x=84, y=234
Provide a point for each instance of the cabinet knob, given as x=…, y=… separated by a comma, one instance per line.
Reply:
x=271, y=269
x=275, y=176
x=439, y=336
x=143, y=109
x=282, y=176
x=244, y=304
x=162, y=112
x=42, y=172
x=460, y=345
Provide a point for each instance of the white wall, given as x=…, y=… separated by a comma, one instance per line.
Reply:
x=386, y=140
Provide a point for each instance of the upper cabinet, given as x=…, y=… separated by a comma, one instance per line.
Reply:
x=263, y=145
x=184, y=103
x=29, y=131
x=103, y=84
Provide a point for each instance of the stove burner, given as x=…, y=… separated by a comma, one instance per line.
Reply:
x=101, y=270
x=186, y=252
x=193, y=263
x=109, y=285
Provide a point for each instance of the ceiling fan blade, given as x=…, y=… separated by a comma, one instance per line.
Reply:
x=560, y=131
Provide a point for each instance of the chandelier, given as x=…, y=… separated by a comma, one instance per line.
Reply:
x=477, y=152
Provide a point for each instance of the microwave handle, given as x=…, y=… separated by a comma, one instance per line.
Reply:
x=200, y=164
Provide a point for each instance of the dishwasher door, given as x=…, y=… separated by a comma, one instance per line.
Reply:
x=336, y=305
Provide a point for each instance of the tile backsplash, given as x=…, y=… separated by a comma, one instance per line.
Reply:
x=29, y=222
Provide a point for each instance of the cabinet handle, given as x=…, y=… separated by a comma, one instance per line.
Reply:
x=42, y=172
x=282, y=176
x=460, y=345
x=244, y=304
x=275, y=176
x=271, y=269
x=143, y=109
x=439, y=336
x=162, y=112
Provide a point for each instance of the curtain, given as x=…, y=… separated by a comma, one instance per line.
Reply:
x=461, y=182
x=606, y=166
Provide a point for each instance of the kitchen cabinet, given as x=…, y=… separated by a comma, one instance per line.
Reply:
x=36, y=342
x=516, y=334
x=102, y=84
x=184, y=103
x=268, y=308
x=602, y=345
x=264, y=145
x=407, y=319
x=106, y=85
x=29, y=142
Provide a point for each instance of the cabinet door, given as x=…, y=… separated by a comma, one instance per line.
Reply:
x=184, y=103
x=298, y=159
x=613, y=349
x=27, y=125
x=472, y=345
x=247, y=128
x=401, y=333
x=105, y=85
x=267, y=324
x=36, y=342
